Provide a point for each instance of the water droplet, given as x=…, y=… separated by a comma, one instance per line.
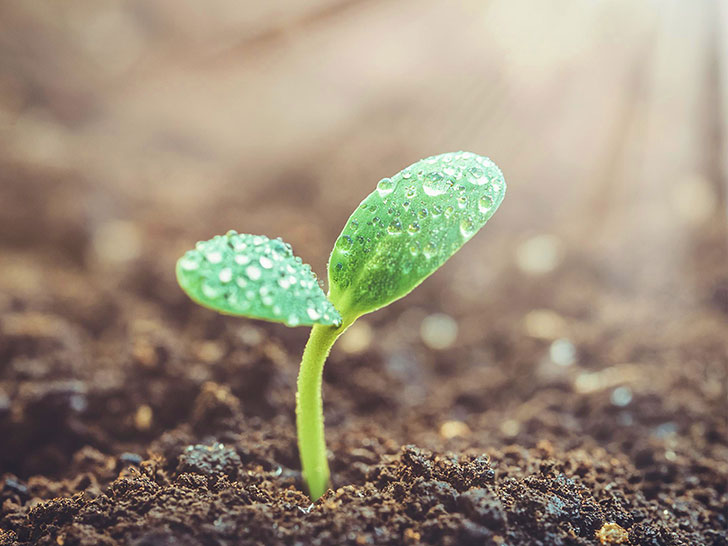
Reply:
x=354, y=225
x=423, y=213
x=266, y=296
x=485, y=203
x=406, y=204
x=406, y=175
x=241, y=282
x=414, y=248
x=210, y=291
x=188, y=264
x=411, y=192
x=462, y=201
x=429, y=250
x=225, y=275
x=436, y=210
x=345, y=243
x=214, y=257
x=239, y=245
x=395, y=227
x=277, y=310
x=242, y=259
x=312, y=313
x=414, y=227
x=252, y=272
x=435, y=184
x=284, y=283
x=293, y=320
x=339, y=266
x=467, y=228
x=448, y=212
x=478, y=176
x=385, y=186
x=265, y=262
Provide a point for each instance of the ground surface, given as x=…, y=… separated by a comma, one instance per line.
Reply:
x=583, y=399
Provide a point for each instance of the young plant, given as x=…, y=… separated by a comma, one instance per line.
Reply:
x=397, y=237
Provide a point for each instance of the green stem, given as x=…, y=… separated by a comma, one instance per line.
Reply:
x=309, y=408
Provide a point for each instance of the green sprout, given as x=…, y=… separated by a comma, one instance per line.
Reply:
x=396, y=238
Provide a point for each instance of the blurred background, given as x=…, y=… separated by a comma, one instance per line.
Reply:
x=128, y=124
x=130, y=130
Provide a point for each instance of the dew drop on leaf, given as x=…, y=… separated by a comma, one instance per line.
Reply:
x=435, y=184
x=214, y=257
x=485, y=203
x=188, y=264
x=209, y=290
x=395, y=227
x=225, y=275
x=429, y=250
x=252, y=272
x=467, y=227
x=385, y=186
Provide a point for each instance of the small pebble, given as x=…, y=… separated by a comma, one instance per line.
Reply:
x=612, y=533
x=128, y=458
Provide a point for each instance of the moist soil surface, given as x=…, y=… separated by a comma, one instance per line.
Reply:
x=576, y=407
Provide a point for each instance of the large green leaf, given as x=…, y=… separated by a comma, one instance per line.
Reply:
x=253, y=276
x=409, y=226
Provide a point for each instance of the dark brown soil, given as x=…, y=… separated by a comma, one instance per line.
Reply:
x=130, y=416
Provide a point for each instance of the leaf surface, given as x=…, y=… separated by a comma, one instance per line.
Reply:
x=409, y=226
x=254, y=276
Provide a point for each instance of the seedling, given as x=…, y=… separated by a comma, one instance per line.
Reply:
x=397, y=237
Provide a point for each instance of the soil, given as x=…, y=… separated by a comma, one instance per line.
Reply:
x=582, y=406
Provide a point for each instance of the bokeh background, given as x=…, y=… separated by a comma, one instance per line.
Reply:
x=148, y=123
x=130, y=130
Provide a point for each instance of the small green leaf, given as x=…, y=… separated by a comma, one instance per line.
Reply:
x=253, y=276
x=409, y=226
